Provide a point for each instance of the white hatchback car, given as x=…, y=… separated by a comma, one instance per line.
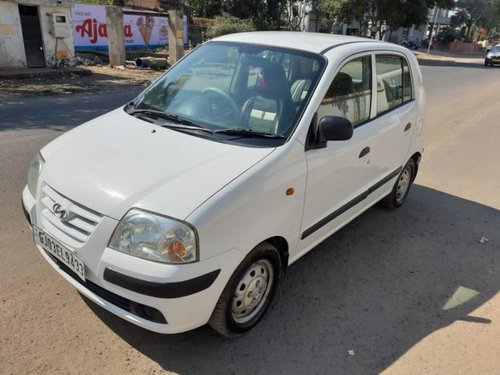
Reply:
x=187, y=205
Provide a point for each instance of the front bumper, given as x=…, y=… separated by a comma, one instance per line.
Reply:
x=162, y=298
x=492, y=61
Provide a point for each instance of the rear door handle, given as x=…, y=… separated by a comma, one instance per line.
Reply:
x=364, y=152
x=408, y=127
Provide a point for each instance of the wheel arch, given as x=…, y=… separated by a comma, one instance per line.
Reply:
x=281, y=244
x=417, y=157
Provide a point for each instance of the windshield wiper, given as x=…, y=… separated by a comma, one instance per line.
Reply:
x=180, y=122
x=249, y=133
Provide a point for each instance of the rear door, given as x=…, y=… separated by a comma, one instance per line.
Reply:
x=395, y=114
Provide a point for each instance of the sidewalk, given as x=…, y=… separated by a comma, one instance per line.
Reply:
x=443, y=58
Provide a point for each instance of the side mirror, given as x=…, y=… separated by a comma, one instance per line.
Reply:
x=334, y=128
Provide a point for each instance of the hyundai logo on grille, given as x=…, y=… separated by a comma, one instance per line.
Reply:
x=60, y=212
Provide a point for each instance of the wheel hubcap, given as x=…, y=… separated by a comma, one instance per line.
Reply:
x=252, y=291
x=403, y=184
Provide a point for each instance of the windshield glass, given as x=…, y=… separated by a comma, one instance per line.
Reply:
x=236, y=92
x=495, y=49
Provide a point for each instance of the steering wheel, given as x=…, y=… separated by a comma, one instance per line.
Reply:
x=230, y=111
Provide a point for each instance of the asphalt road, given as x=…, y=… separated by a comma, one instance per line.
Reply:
x=410, y=291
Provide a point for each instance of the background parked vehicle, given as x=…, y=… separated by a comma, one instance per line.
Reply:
x=411, y=43
x=493, y=56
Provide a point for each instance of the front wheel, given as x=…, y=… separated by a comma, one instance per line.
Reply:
x=248, y=293
x=402, y=186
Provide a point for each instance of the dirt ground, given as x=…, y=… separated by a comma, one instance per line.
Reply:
x=414, y=291
x=101, y=78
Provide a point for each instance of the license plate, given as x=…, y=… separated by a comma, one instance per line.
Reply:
x=61, y=252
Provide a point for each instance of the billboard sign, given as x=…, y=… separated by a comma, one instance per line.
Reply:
x=144, y=30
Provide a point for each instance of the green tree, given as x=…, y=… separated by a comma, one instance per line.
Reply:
x=265, y=14
x=198, y=8
x=120, y=3
x=394, y=13
x=330, y=11
x=227, y=24
x=477, y=14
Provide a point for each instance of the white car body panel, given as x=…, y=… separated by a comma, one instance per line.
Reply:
x=235, y=196
x=118, y=164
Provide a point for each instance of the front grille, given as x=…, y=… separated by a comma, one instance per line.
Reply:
x=143, y=311
x=79, y=223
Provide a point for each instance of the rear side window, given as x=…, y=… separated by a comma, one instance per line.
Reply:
x=394, y=86
x=349, y=94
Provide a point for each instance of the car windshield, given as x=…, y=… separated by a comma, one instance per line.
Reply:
x=495, y=49
x=233, y=92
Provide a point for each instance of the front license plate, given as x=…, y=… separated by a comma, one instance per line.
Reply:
x=61, y=252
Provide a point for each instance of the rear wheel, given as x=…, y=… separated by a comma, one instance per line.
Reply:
x=402, y=186
x=248, y=293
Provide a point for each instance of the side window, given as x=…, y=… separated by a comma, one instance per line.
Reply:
x=394, y=86
x=349, y=94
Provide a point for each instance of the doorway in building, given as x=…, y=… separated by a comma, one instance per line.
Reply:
x=32, y=35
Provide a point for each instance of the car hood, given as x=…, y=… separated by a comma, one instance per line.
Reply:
x=117, y=161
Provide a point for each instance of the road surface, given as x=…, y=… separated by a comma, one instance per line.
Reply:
x=410, y=291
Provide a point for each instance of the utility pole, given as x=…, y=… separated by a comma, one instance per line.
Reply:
x=175, y=36
x=436, y=12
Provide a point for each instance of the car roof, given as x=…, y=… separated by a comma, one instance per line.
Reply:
x=306, y=41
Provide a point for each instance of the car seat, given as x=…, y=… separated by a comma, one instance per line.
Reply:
x=264, y=111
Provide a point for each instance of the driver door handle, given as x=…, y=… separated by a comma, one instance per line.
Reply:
x=364, y=152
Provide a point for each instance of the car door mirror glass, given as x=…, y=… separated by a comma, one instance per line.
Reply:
x=334, y=128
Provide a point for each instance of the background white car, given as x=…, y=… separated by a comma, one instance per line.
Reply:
x=187, y=205
x=493, y=56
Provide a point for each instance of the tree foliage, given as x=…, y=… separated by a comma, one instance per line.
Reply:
x=120, y=3
x=377, y=12
x=476, y=15
x=227, y=24
x=264, y=14
x=395, y=13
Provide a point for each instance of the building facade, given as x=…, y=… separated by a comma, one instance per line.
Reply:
x=35, y=33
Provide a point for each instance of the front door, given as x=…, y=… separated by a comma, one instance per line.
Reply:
x=32, y=35
x=340, y=173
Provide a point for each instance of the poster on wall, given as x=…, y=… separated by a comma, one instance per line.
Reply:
x=144, y=30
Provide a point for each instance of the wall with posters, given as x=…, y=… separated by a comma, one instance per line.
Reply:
x=142, y=29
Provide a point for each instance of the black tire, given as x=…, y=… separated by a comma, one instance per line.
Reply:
x=230, y=317
x=401, y=187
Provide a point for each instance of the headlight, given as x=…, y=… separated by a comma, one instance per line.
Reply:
x=488, y=56
x=34, y=170
x=154, y=237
